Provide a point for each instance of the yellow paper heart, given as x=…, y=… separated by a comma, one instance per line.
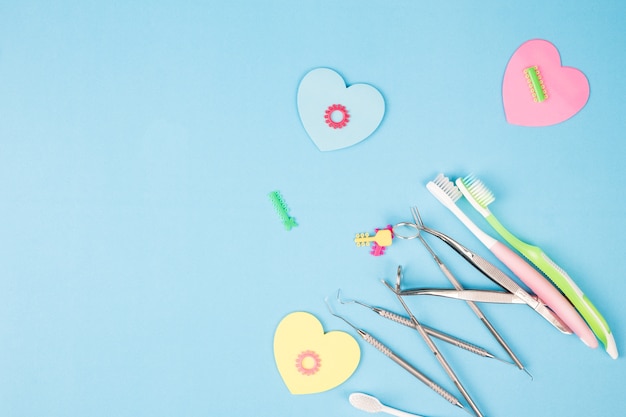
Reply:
x=310, y=361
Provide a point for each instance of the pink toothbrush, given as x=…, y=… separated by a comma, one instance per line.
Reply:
x=447, y=193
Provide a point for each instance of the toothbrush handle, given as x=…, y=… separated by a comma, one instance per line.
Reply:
x=531, y=277
x=546, y=292
x=398, y=413
x=562, y=280
x=583, y=304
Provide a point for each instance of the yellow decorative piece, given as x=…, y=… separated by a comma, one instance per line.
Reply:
x=382, y=238
x=309, y=360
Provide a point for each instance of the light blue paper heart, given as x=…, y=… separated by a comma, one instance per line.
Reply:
x=362, y=111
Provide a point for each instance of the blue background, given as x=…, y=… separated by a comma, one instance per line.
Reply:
x=143, y=270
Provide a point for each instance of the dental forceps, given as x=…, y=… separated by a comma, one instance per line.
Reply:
x=479, y=296
x=454, y=282
x=484, y=266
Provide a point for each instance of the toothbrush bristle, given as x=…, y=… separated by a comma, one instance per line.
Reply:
x=447, y=187
x=478, y=190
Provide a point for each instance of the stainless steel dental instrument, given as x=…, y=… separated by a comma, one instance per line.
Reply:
x=399, y=361
x=405, y=321
x=418, y=221
x=433, y=348
x=489, y=270
x=479, y=296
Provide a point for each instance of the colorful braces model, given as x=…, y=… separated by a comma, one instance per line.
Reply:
x=535, y=83
x=379, y=250
x=333, y=110
x=282, y=210
x=308, y=363
x=380, y=240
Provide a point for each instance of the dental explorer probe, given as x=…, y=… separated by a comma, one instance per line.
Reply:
x=398, y=360
x=435, y=350
x=405, y=321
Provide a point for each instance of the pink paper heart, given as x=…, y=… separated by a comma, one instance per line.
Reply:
x=567, y=88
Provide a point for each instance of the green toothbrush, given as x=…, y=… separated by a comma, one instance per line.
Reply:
x=480, y=197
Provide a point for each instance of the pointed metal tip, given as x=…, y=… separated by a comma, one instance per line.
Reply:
x=508, y=362
x=386, y=284
x=328, y=305
x=529, y=374
x=399, y=278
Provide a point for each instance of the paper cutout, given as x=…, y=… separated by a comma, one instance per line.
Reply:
x=310, y=361
x=335, y=116
x=566, y=89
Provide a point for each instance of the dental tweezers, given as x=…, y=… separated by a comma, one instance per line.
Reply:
x=489, y=270
x=500, y=278
x=448, y=274
x=479, y=296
